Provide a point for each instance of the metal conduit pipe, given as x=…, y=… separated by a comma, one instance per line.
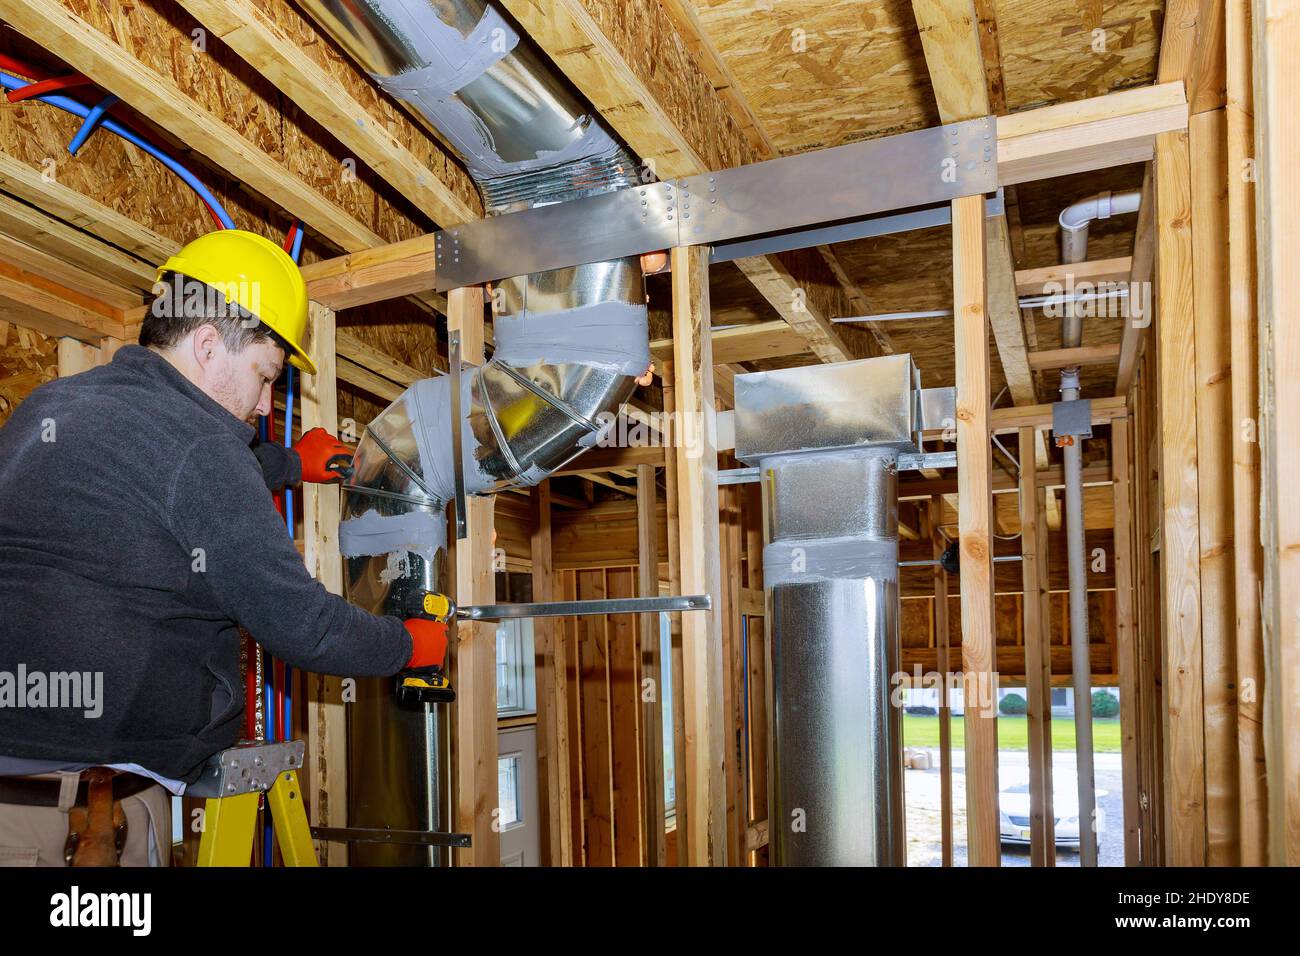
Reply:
x=1074, y=221
x=568, y=346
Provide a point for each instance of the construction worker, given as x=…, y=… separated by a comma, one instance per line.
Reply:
x=136, y=536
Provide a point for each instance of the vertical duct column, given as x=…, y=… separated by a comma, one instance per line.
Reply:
x=831, y=572
x=826, y=440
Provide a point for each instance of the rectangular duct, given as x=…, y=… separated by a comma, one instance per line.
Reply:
x=826, y=441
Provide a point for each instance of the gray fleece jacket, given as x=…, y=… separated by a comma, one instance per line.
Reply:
x=136, y=534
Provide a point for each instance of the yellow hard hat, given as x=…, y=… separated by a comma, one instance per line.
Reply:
x=256, y=274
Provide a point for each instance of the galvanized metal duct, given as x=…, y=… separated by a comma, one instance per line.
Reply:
x=568, y=345
x=826, y=441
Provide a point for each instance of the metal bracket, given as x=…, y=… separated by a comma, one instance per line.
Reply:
x=375, y=835
x=907, y=461
x=457, y=462
x=820, y=188
x=503, y=612
x=247, y=767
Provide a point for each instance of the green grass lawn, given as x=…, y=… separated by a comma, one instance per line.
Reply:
x=1013, y=733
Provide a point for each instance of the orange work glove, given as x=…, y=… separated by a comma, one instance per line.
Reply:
x=324, y=458
x=428, y=642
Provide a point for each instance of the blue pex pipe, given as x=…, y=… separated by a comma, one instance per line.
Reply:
x=288, y=511
x=93, y=119
x=69, y=105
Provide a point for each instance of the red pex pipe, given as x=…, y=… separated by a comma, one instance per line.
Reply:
x=52, y=85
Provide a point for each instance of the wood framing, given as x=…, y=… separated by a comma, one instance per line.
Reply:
x=1180, y=552
x=697, y=504
x=1214, y=427
x=475, y=712
x=327, y=726
x=974, y=464
x=1126, y=640
x=1277, y=90
x=1037, y=635
x=652, y=724
x=942, y=640
x=551, y=669
x=1244, y=349
x=1096, y=133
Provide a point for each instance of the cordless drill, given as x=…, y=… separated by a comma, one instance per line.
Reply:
x=424, y=685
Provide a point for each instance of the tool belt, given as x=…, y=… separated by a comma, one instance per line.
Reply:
x=96, y=821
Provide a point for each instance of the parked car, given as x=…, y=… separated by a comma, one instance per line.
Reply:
x=1013, y=804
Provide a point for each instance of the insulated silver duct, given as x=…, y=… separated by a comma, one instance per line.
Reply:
x=826, y=441
x=568, y=346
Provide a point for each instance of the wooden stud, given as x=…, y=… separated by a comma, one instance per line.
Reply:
x=652, y=722
x=1277, y=129
x=1244, y=347
x=1126, y=640
x=1214, y=427
x=551, y=666
x=597, y=751
x=475, y=651
x=975, y=501
x=327, y=725
x=625, y=722
x=1184, y=731
x=1037, y=690
x=697, y=502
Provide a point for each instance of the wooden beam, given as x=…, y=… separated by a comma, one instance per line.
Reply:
x=34, y=227
x=381, y=363
x=652, y=722
x=44, y=306
x=551, y=669
x=37, y=262
x=247, y=29
x=84, y=212
x=1037, y=640
x=1053, y=280
x=1184, y=731
x=974, y=464
x=475, y=655
x=1097, y=133
x=327, y=727
x=608, y=459
x=697, y=502
x=1244, y=357
x=1078, y=356
x=744, y=343
x=363, y=378
x=950, y=39
x=1277, y=91
x=1005, y=421
x=86, y=49
x=374, y=275
x=661, y=102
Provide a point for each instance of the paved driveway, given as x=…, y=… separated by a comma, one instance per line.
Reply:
x=923, y=828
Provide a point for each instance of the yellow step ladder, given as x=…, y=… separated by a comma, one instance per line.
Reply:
x=233, y=782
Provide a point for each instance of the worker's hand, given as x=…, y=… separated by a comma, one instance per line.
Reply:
x=324, y=458
x=428, y=643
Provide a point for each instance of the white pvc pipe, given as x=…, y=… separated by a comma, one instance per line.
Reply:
x=1075, y=221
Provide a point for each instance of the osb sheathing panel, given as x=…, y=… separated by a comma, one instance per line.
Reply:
x=379, y=109
x=160, y=35
x=822, y=74
x=1054, y=52
x=27, y=359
